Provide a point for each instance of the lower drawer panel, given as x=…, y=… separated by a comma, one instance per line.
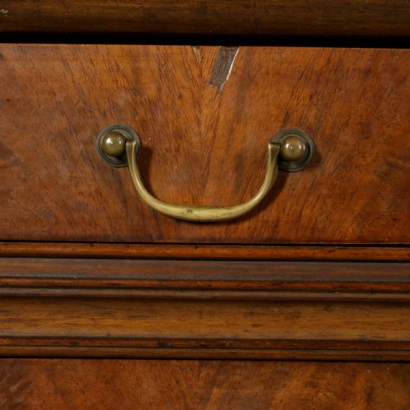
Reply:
x=192, y=384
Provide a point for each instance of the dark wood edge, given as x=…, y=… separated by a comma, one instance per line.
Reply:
x=209, y=349
x=341, y=296
x=390, y=41
x=223, y=17
x=205, y=353
x=234, y=344
x=209, y=252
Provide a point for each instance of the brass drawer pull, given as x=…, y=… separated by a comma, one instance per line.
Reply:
x=120, y=145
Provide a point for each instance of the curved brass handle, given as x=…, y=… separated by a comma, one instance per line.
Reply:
x=120, y=145
x=203, y=213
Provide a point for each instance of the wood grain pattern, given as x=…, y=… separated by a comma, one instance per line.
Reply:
x=229, y=17
x=153, y=384
x=194, y=309
x=202, y=146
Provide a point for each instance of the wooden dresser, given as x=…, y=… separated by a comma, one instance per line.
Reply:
x=125, y=124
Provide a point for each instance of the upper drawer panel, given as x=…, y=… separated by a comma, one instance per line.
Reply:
x=364, y=18
x=204, y=144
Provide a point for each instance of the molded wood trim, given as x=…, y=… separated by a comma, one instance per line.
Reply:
x=207, y=309
x=209, y=252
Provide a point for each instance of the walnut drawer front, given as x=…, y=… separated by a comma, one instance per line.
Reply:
x=204, y=142
x=320, y=270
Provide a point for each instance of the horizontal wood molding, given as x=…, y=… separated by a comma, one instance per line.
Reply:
x=205, y=279
x=209, y=252
x=209, y=309
x=228, y=17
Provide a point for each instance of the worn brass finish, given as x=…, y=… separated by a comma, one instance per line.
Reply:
x=203, y=213
x=120, y=145
x=293, y=148
x=113, y=144
x=297, y=149
x=110, y=143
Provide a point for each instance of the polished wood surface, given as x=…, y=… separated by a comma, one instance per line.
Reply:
x=204, y=309
x=153, y=384
x=368, y=18
x=204, y=144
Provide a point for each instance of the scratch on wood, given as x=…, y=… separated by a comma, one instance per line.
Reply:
x=3, y=11
x=197, y=53
x=223, y=66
